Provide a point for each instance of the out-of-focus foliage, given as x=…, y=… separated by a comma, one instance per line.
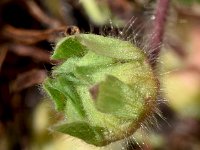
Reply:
x=181, y=83
x=97, y=11
x=189, y=2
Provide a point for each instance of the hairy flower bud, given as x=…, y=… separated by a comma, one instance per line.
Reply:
x=105, y=87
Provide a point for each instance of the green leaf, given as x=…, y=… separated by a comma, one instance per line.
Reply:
x=90, y=134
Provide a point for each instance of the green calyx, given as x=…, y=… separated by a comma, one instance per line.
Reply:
x=105, y=88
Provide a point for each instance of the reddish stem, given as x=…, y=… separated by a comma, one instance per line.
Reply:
x=158, y=29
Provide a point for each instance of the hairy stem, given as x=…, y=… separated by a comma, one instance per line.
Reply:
x=158, y=29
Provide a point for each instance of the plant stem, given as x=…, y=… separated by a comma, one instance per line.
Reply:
x=158, y=30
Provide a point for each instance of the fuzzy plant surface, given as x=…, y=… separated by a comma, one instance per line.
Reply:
x=105, y=87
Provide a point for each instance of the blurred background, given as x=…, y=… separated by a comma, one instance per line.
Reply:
x=28, y=32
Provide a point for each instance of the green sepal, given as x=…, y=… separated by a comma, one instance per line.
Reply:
x=72, y=114
x=90, y=134
x=78, y=45
x=66, y=67
x=63, y=90
x=58, y=97
x=117, y=98
x=68, y=47
x=110, y=47
x=69, y=89
x=91, y=59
